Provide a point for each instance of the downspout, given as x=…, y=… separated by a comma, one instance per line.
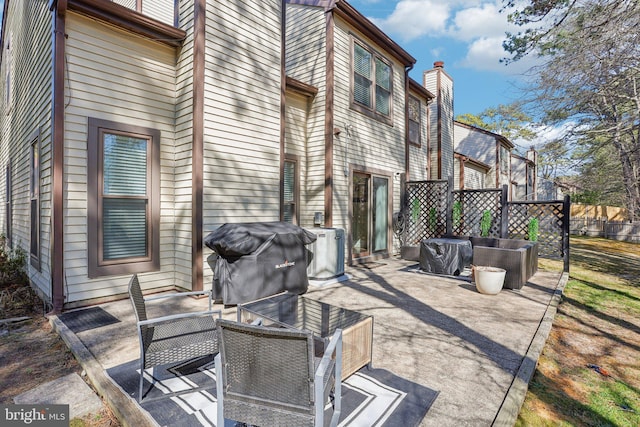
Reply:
x=59, y=9
x=462, y=160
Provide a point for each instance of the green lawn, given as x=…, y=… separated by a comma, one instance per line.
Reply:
x=589, y=371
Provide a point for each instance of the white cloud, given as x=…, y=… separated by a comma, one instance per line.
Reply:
x=485, y=53
x=412, y=19
x=548, y=134
x=479, y=24
x=481, y=21
x=436, y=52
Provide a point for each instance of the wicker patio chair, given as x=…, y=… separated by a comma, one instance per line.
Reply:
x=172, y=338
x=270, y=376
x=518, y=257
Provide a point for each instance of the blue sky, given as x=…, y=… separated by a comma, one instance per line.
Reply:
x=466, y=34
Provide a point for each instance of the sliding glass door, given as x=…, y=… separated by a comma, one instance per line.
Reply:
x=370, y=209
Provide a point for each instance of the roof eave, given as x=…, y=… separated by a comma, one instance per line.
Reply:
x=301, y=88
x=417, y=87
x=498, y=137
x=129, y=20
x=354, y=18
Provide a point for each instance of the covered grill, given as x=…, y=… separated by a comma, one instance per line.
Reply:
x=258, y=259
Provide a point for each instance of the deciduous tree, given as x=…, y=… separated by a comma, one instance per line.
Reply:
x=591, y=76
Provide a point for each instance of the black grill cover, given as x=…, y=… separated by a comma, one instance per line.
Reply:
x=256, y=260
x=445, y=256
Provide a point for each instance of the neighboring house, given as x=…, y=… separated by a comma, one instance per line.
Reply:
x=486, y=149
x=485, y=159
x=365, y=128
x=548, y=190
x=557, y=188
x=523, y=176
x=468, y=173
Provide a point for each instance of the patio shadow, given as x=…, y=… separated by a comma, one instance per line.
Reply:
x=499, y=354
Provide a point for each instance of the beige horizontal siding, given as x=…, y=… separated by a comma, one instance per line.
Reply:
x=475, y=144
x=27, y=27
x=113, y=75
x=296, y=109
x=162, y=10
x=306, y=61
x=182, y=200
x=306, y=44
x=373, y=145
x=242, y=113
x=474, y=178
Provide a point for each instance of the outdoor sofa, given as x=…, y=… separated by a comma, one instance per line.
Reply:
x=518, y=257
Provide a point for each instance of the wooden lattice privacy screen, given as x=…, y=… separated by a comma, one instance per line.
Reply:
x=428, y=211
x=551, y=219
x=473, y=205
x=424, y=214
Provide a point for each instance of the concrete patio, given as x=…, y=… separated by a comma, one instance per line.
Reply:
x=477, y=351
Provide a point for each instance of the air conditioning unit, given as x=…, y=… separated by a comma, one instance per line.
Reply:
x=327, y=254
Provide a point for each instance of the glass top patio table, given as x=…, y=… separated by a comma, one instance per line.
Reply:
x=294, y=311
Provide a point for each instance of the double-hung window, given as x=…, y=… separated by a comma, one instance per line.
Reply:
x=8, y=66
x=371, y=91
x=290, y=191
x=504, y=160
x=124, y=191
x=8, y=205
x=34, y=200
x=414, y=120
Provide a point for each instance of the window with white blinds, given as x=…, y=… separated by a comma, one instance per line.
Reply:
x=362, y=79
x=372, y=82
x=289, y=206
x=383, y=87
x=34, y=196
x=124, y=174
x=415, y=121
x=124, y=196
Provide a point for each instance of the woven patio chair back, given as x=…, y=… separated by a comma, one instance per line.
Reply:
x=172, y=338
x=137, y=299
x=268, y=375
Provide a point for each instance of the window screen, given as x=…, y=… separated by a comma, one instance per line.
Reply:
x=124, y=203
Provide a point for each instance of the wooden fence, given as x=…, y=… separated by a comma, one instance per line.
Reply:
x=600, y=227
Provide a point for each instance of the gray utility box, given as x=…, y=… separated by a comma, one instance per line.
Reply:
x=326, y=253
